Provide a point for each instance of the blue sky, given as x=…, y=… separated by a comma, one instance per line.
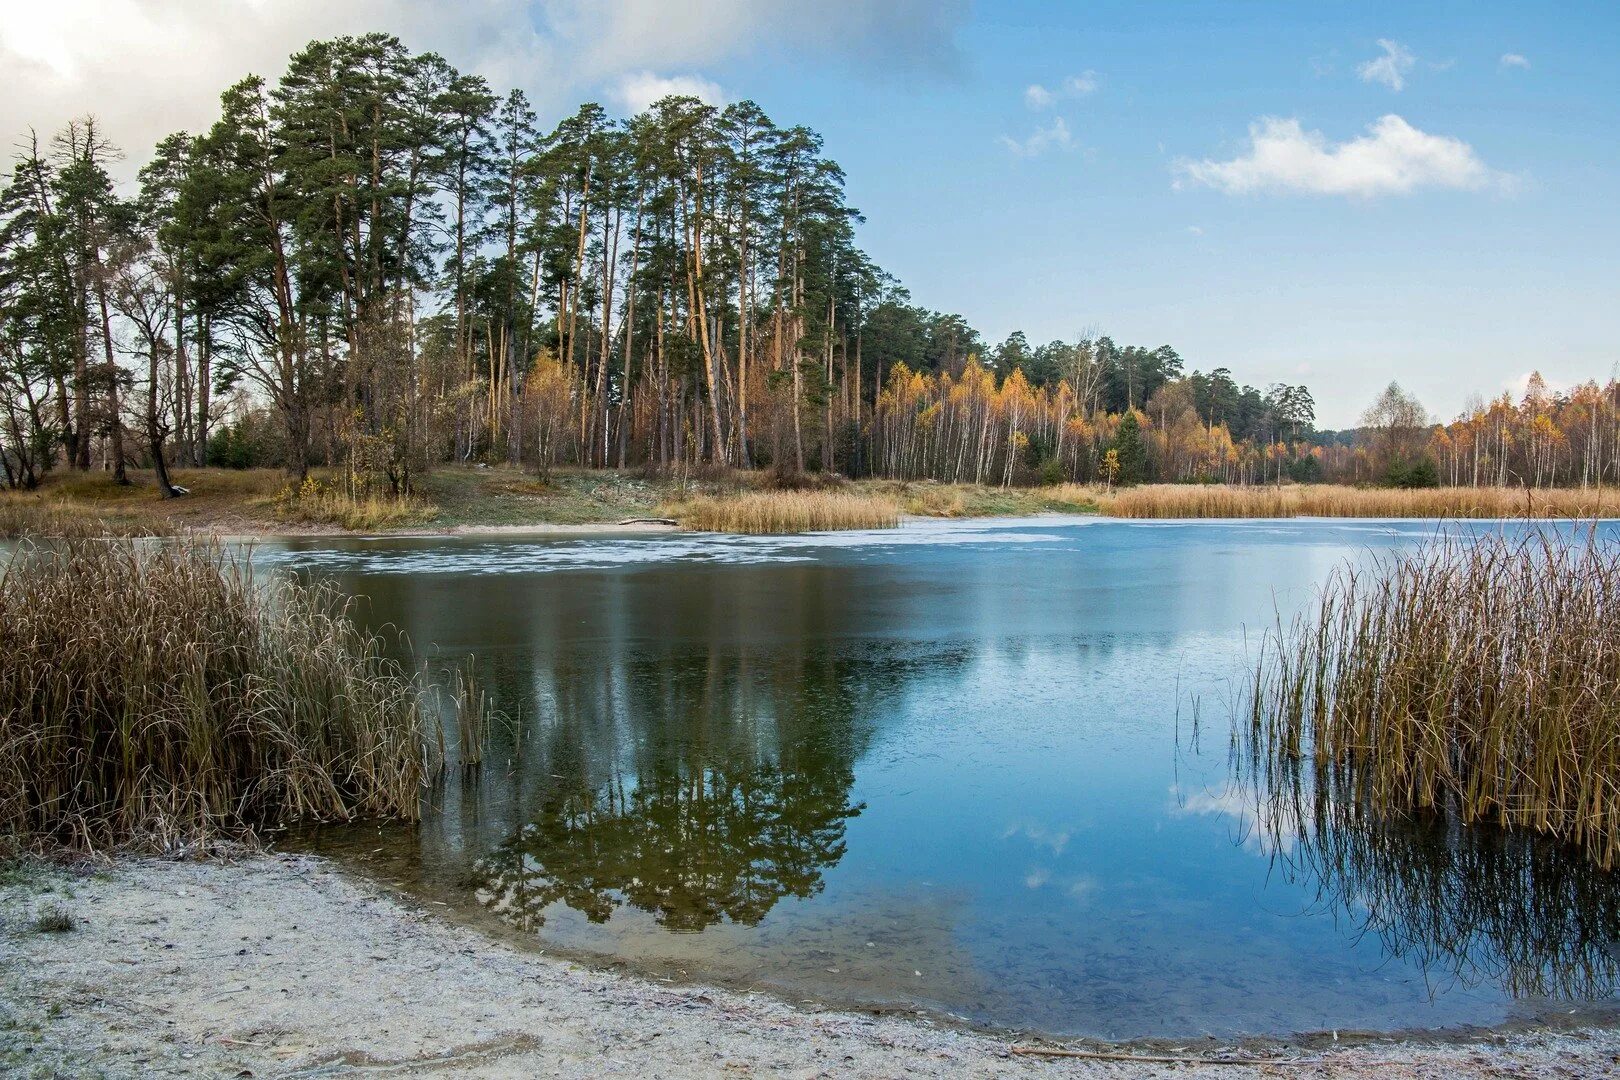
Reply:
x=1417, y=207
x=1450, y=290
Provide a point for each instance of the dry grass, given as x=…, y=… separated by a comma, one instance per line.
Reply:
x=784, y=512
x=157, y=695
x=1330, y=500
x=315, y=503
x=1477, y=679
x=934, y=500
x=29, y=514
x=929, y=498
x=73, y=504
x=1080, y=496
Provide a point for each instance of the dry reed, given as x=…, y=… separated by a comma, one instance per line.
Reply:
x=158, y=695
x=1480, y=679
x=315, y=503
x=1330, y=500
x=785, y=512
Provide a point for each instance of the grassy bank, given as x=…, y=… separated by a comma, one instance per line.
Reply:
x=928, y=499
x=1332, y=500
x=159, y=695
x=1478, y=680
x=91, y=504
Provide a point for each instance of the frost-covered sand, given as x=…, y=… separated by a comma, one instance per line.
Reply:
x=285, y=966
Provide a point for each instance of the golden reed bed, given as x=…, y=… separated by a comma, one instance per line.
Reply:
x=786, y=512
x=1480, y=680
x=1329, y=500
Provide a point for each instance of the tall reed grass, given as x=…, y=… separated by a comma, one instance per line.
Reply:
x=156, y=695
x=1480, y=679
x=1331, y=500
x=785, y=512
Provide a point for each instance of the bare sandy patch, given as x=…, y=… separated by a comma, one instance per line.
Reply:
x=285, y=966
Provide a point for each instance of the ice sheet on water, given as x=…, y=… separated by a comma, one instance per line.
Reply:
x=537, y=555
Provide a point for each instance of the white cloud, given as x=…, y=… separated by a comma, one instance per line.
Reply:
x=1037, y=96
x=1080, y=85
x=640, y=89
x=1393, y=158
x=1513, y=60
x=1195, y=230
x=1055, y=136
x=1389, y=69
x=149, y=67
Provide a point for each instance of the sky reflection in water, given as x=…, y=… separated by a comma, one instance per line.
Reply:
x=977, y=767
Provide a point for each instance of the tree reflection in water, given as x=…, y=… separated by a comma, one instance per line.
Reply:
x=726, y=788
x=1471, y=905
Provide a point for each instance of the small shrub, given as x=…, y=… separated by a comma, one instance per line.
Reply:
x=788, y=479
x=1417, y=474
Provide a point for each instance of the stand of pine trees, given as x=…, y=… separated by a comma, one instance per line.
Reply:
x=379, y=263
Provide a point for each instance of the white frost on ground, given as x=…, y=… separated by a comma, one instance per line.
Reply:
x=283, y=966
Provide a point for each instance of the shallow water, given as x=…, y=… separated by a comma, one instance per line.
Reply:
x=980, y=768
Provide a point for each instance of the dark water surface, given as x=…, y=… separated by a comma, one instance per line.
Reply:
x=979, y=768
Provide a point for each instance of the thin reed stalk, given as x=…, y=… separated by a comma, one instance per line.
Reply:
x=1476, y=678
x=157, y=695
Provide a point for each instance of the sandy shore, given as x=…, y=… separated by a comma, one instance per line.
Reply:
x=285, y=966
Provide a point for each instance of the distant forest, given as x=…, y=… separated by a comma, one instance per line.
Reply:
x=378, y=264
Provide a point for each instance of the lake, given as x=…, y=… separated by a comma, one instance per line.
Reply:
x=980, y=768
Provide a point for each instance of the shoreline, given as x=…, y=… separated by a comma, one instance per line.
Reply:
x=588, y=528
x=249, y=505
x=277, y=964
x=279, y=532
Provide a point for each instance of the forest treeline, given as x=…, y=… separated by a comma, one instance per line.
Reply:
x=379, y=264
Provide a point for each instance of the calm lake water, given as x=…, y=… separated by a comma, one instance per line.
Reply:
x=978, y=768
